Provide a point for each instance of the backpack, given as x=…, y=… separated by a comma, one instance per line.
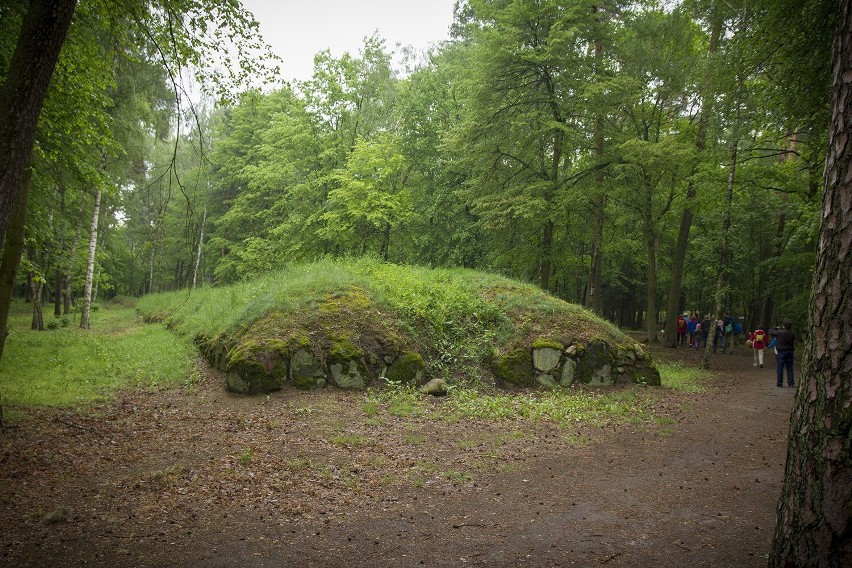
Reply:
x=758, y=338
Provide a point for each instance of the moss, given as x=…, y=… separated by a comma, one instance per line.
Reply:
x=343, y=349
x=542, y=343
x=514, y=368
x=407, y=368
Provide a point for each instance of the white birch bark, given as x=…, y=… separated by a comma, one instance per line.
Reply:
x=200, y=242
x=90, y=264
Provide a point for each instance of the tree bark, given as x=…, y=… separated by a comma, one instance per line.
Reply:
x=38, y=317
x=725, y=252
x=198, y=252
x=12, y=254
x=679, y=256
x=90, y=264
x=69, y=268
x=651, y=320
x=22, y=93
x=814, y=524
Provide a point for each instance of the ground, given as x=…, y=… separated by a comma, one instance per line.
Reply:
x=201, y=478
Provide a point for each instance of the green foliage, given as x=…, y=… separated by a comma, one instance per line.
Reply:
x=72, y=367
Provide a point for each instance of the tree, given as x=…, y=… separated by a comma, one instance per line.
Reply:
x=814, y=525
x=23, y=92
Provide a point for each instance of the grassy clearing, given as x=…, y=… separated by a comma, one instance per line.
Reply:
x=564, y=406
x=68, y=366
x=674, y=375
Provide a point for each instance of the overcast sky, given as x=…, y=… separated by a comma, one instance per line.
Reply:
x=298, y=29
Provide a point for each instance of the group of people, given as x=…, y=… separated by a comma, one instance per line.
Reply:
x=695, y=333
x=782, y=340
x=692, y=332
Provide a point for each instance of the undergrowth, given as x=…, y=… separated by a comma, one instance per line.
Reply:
x=67, y=366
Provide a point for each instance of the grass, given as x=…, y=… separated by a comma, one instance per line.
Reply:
x=68, y=366
x=563, y=406
x=675, y=376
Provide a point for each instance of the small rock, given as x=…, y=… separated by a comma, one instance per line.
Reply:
x=435, y=387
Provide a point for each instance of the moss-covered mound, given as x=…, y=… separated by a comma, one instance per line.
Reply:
x=355, y=323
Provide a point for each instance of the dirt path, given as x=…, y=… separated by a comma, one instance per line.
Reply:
x=700, y=491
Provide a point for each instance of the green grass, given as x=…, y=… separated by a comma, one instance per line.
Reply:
x=564, y=406
x=675, y=376
x=73, y=367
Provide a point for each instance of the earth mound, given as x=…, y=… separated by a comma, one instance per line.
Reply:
x=357, y=323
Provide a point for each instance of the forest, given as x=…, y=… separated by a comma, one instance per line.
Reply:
x=640, y=159
x=637, y=158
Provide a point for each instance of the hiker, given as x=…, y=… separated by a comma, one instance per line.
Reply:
x=719, y=335
x=729, y=335
x=758, y=344
x=691, y=325
x=681, y=330
x=785, y=341
x=698, y=335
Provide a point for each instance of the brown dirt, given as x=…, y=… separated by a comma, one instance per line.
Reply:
x=201, y=478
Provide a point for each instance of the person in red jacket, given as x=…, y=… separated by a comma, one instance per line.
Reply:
x=758, y=342
x=681, y=330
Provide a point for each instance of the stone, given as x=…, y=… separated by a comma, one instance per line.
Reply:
x=408, y=368
x=435, y=387
x=546, y=381
x=348, y=376
x=571, y=350
x=546, y=359
x=306, y=371
x=595, y=366
x=569, y=371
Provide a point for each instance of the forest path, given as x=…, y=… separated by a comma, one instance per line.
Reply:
x=158, y=480
x=700, y=493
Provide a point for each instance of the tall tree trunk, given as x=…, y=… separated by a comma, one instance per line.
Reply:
x=679, y=256
x=651, y=320
x=69, y=268
x=38, y=318
x=150, y=286
x=22, y=94
x=725, y=252
x=200, y=243
x=594, y=298
x=814, y=525
x=90, y=264
x=12, y=254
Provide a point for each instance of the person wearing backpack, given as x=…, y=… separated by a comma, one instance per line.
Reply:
x=758, y=343
x=785, y=341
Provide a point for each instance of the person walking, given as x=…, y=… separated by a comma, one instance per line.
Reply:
x=785, y=341
x=719, y=335
x=758, y=344
x=691, y=324
x=681, y=331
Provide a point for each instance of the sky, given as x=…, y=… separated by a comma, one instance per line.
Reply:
x=298, y=29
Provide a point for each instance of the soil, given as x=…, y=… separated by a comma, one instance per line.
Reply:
x=198, y=478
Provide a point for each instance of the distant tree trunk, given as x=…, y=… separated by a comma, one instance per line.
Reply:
x=682, y=244
x=651, y=323
x=38, y=318
x=814, y=525
x=385, y=242
x=725, y=251
x=151, y=270
x=200, y=243
x=69, y=268
x=12, y=254
x=22, y=93
x=90, y=264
